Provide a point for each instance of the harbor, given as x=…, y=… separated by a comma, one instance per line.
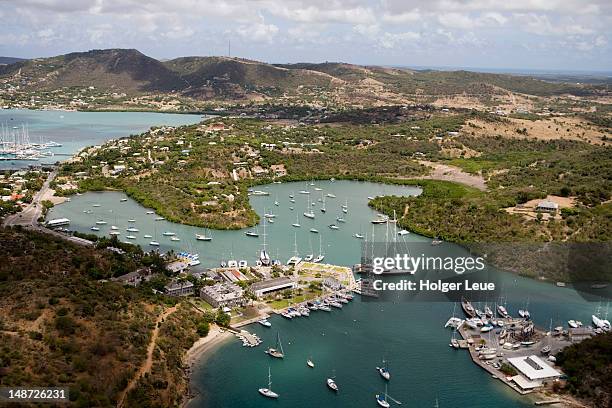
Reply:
x=351, y=340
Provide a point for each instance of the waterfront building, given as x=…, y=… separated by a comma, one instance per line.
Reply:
x=223, y=295
x=177, y=266
x=534, y=368
x=272, y=285
x=176, y=288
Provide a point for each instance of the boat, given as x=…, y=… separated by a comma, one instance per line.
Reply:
x=154, y=243
x=319, y=257
x=467, y=307
x=242, y=264
x=252, y=234
x=382, y=399
x=168, y=234
x=100, y=222
x=277, y=351
x=560, y=284
x=573, y=324
x=454, y=342
x=267, y=392
x=527, y=343
x=502, y=311
x=333, y=226
x=487, y=328
x=95, y=229
x=131, y=220
x=403, y=232
x=297, y=222
x=175, y=239
x=265, y=323
x=95, y=205
x=358, y=236
x=380, y=219
x=488, y=312
x=232, y=263
x=123, y=200
x=114, y=228
x=148, y=236
x=159, y=219
x=130, y=237
x=546, y=349
x=304, y=192
x=436, y=241
x=332, y=384
x=524, y=313
x=201, y=237
x=308, y=213
x=132, y=229
x=308, y=258
x=114, y=233
x=340, y=219
x=314, y=230
x=260, y=193
x=309, y=363
x=600, y=323
x=383, y=371
x=330, y=195
x=150, y=212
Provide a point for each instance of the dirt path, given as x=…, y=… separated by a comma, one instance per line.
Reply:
x=453, y=173
x=148, y=363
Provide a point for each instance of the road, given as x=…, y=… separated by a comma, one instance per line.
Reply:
x=28, y=217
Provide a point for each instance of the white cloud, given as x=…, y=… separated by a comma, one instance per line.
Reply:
x=393, y=40
x=259, y=32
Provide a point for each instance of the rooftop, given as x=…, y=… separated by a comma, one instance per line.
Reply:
x=533, y=367
x=271, y=283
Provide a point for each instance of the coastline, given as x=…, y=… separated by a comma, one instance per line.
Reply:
x=198, y=352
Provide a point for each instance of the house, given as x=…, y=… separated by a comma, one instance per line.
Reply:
x=176, y=288
x=223, y=295
x=177, y=266
x=259, y=171
x=278, y=170
x=272, y=285
x=134, y=278
x=547, y=206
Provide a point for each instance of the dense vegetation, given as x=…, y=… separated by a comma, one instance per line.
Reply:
x=60, y=327
x=588, y=366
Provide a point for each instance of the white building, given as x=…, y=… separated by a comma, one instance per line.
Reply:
x=223, y=295
x=271, y=285
x=534, y=368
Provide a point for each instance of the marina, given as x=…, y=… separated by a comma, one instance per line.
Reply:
x=337, y=331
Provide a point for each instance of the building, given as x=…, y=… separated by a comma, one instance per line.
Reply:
x=134, y=278
x=580, y=333
x=177, y=266
x=58, y=222
x=176, y=288
x=223, y=295
x=271, y=285
x=534, y=368
x=547, y=206
x=279, y=170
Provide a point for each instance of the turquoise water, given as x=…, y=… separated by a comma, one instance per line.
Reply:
x=350, y=342
x=75, y=130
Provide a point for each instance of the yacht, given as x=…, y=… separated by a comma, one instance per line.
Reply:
x=95, y=205
x=502, y=311
x=159, y=219
x=242, y=264
x=314, y=230
x=150, y=212
x=524, y=313
x=130, y=237
x=340, y=219
x=200, y=237
x=252, y=234
x=304, y=192
x=309, y=214
x=232, y=263
x=154, y=243
x=95, y=229
x=100, y=222
x=276, y=352
x=380, y=219
x=132, y=229
x=403, y=232
x=600, y=323
x=382, y=399
x=333, y=226
x=131, y=220
x=308, y=258
x=309, y=363
x=319, y=257
x=297, y=222
x=113, y=228
x=383, y=371
x=436, y=241
x=332, y=384
x=330, y=195
x=114, y=233
x=468, y=308
x=123, y=200
x=148, y=236
x=175, y=239
x=573, y=324
x=488, y=312
x=358, y=236
x=267, y=392
x=265, y=323
x=168, y=234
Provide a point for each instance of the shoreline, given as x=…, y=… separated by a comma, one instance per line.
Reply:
x=199, y=351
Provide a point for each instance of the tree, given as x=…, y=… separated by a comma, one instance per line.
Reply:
x=222, y=319
x=203, y=328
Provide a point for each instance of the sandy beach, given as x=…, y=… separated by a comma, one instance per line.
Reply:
x=215, y=337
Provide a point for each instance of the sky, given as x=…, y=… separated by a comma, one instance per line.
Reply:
x=514, y=34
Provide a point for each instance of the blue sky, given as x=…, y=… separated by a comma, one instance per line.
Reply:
x=519, y=34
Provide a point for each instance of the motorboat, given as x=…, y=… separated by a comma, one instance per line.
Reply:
x=95, y=229
x=333, y=226
x=332, y=384
x=253, y=234
x=265, y=323
x=309, y=363
x=200, y=237
x=314, y=230
x=242, y=264
x=154, y=243
x=175, y=239
x=358, y=236
x=168, y=234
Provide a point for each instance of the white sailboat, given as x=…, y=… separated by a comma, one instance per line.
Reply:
x=384, y=371
x=267, y=392
x=264, y=258
x=382, y=399
x=308, y=213
x=296, y=224
x=331, y=383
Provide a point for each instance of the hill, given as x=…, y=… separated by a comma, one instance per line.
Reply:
x=61, y=326
x=223, y=78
